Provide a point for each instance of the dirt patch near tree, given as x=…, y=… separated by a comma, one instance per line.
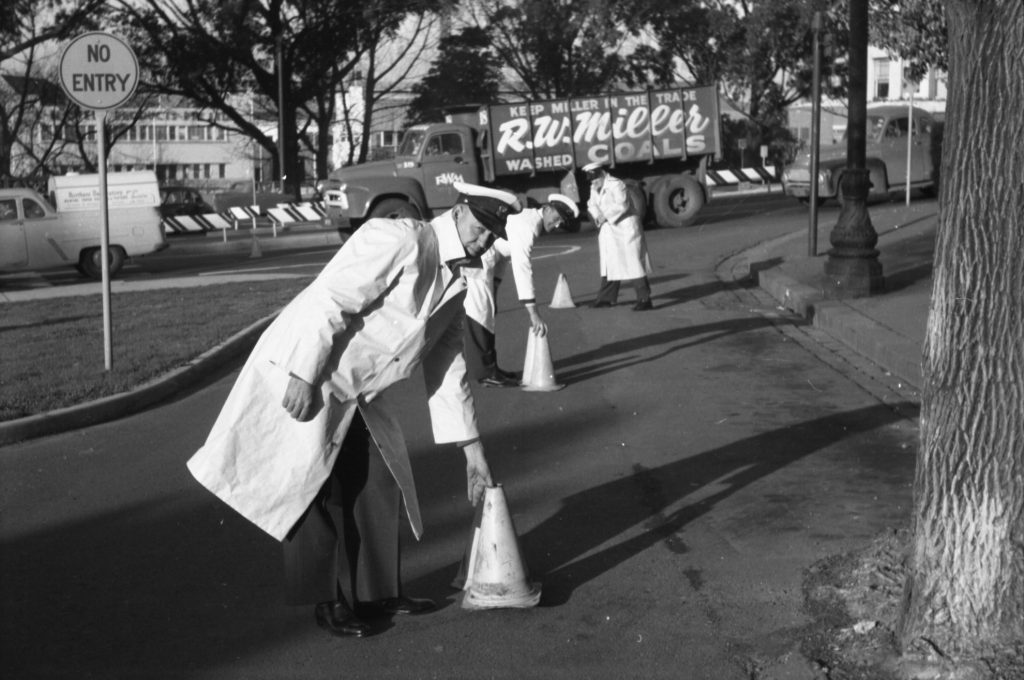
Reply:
x=854, y=600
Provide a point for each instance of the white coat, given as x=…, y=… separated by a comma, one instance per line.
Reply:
x=620, y=241
x=381, y=307
x=522, y=230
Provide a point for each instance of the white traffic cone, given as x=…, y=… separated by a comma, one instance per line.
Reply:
x=497, y=577
x=538, y=371
x=562, y=299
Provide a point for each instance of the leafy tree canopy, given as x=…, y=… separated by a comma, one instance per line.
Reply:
x=556, y=48
x=466, y=71
x=912, y=29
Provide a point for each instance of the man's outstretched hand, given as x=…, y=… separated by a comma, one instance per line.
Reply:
x=478, y=475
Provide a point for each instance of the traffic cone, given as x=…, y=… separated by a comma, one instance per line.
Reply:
x=256, y=250
x=562, y=299
x=497, y=577
x=538, y=372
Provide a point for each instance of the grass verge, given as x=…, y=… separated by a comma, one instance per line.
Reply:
x=51, y=351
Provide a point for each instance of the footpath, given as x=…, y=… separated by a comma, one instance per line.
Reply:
x=887, y=328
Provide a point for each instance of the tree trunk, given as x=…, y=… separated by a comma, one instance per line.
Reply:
x=964, y=594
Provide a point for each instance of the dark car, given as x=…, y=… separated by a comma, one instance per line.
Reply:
x=178, y=200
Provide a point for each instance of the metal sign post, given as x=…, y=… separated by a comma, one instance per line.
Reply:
x=911, y=131
x=99, y=72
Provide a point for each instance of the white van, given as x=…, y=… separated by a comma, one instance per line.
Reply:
x=36, y=233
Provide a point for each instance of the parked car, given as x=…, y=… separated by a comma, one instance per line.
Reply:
x=885, y=157
x=181, y=200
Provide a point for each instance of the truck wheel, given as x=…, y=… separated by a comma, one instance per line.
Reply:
x=395, y=208
x=677, y=200
x=90, y=261
x=637, y=199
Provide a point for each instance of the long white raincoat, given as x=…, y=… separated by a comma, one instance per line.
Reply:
x=522, y=229
x=383, y=305
x=620, y=241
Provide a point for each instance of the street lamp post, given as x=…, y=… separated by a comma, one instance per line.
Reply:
x=852, y=267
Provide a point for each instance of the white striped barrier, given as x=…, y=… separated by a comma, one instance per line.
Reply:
x=728, y=176
x=194, y=224
x=283, y=214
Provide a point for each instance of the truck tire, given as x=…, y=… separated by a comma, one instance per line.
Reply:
x=637, y=199
x=90, y=262
x=677, y=200
x=395, y=208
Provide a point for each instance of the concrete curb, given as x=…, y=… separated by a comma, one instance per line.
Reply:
x=862, y=334
x=126, y=403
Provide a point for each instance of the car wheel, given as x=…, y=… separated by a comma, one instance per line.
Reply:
x=395, y=208
x=90, y=262
x=677, y=200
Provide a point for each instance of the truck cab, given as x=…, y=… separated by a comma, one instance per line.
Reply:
x=416, y=183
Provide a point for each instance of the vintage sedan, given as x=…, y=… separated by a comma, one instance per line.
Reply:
x=888, y=127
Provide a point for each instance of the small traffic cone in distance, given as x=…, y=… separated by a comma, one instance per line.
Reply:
x=256, y=250
x=538, y=371
x=562, y=299
x=498, y=578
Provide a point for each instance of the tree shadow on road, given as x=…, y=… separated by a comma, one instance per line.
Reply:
x=623, y=354
x=654, y=500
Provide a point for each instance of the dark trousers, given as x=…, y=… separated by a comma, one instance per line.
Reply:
x=346, y=545
x=480, y=351
x=609, y=290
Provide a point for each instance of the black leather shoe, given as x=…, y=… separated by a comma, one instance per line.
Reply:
x=511, y=375
x=597, y=304
x=337, y=619
x=498, y=380
x=393, y=606
x=643, y=306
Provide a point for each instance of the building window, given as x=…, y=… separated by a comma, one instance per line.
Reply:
x=881, y=78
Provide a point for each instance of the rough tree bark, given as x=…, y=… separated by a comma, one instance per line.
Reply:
x=964, y=597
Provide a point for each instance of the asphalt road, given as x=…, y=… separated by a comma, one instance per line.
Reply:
x=669, y=499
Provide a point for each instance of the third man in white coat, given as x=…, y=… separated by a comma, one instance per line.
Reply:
x=621, y=243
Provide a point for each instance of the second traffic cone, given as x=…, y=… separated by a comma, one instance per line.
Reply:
x=497, y=578
x=562, y=299
x=538, y=371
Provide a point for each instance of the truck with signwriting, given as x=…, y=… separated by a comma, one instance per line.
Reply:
x=38, y=233
x=658, y=141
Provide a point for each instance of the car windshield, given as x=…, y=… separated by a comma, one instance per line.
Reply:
x=412, y=143
x=875, y=128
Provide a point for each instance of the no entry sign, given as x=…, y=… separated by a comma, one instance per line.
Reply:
x=99, y=71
